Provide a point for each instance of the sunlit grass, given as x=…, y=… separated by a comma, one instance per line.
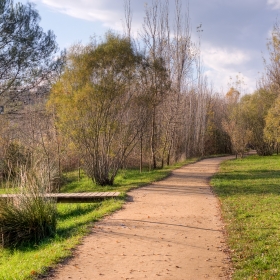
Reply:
x=124, y=181
x=249, y=190
x=73, y=222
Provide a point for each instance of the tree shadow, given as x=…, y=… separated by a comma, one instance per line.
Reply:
x=265, y=182
x=77, y=211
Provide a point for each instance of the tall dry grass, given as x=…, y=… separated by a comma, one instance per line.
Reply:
x=31, y=216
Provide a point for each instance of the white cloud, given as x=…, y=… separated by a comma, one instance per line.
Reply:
x=222, y=64
x=220, y=58
x=89, y=10
x=223, y=80
x=274, y=3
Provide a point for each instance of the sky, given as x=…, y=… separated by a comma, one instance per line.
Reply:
x=233, y=41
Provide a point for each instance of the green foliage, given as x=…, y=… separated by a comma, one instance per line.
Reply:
x=272, y=128
x=247, y=119
x=95, y=88
x=26, y=51
x=30, y=217
x=255, y=109
x=30, y=220
x=249, y=193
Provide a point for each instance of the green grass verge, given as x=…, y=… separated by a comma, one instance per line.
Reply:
x=126, y=179
x=249, y=191
x=74, y=221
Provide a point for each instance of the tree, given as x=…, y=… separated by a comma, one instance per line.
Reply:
x=96, y=105
x=169, y=49
x=245, y=121
x=235, y=125
x=239, y=136
x=217, y=141
x=255, y=109
x=25, y=50
x=232, y=96
x=272, y=66
x=264, y=101
x=272, y=120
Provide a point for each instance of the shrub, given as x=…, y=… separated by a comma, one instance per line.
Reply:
x=29, y=220
x=15, y=155
x=31, y=216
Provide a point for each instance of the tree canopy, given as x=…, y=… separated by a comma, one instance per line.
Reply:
x=25, y=49
x=95, y=104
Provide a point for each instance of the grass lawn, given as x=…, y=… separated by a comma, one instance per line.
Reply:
x=124, y=181
x=74, y=221
x=249, y=191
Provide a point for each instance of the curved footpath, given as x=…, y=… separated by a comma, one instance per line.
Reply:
x=171, y=229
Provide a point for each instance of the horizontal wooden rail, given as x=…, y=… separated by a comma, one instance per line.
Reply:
x=70, y=197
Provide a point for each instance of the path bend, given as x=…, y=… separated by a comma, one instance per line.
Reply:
x=171, y=229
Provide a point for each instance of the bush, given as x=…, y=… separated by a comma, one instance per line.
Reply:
x=28, y=219
x=31, y=216
x=15, y=156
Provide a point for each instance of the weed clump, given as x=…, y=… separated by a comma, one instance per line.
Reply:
x=30, y=216
x=28, y=221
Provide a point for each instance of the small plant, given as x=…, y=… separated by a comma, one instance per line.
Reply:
x=29, y=222
x=31, y=216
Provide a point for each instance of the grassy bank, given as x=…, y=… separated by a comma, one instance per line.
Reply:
x=124, y=181
x=249, y=191
x=74, y=221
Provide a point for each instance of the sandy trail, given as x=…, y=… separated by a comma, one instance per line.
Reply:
x=171, y=229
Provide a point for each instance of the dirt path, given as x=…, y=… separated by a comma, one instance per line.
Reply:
x=168, y=230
